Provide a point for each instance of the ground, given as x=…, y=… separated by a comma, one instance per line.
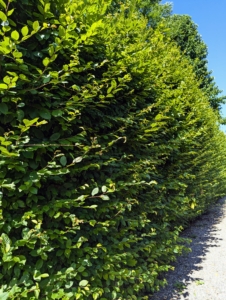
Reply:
x=201, y=274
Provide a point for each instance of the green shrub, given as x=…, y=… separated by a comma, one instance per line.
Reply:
x=101, y=123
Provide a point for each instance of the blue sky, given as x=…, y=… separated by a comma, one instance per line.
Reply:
x=210, y=16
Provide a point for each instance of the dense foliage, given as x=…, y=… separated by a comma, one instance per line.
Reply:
x=108, y=147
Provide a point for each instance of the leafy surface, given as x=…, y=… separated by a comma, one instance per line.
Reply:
x=108, y=147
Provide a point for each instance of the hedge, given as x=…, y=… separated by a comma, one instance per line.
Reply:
x=108, y=147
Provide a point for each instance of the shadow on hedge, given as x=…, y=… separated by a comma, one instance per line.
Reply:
x=202, y=232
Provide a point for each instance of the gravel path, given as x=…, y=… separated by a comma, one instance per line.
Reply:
x=201, y=274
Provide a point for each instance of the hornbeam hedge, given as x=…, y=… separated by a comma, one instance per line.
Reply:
x=108, y=147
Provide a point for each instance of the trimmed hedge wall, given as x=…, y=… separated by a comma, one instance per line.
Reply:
x=108, y=147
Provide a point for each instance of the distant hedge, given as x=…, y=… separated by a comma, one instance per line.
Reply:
x=108, y=147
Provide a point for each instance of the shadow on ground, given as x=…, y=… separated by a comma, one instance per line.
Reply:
x=203, y=234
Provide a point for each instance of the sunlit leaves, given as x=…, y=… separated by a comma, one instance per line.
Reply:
x=24, y=30
x=3, y=86
x=83, y=283
x=46, y=61
x=3, y=4
x=15, y=35
x=5, y=241
x=3, y=17
x=36, y=25
x=95, y=191
x=104, y=197
x=105, y=142
x=77, y=159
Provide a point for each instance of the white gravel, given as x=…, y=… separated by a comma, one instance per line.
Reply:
x=201, y=274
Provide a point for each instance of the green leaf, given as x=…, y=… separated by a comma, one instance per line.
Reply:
x=67, y=253
x=55, y=136
x=57, y=113
x=21, y=104
x=95, y=296
x=41, y=123
x=45, y=114
x=61, y=31
x=33, y=190
x=9, y=13
x=39, y=264
x=132, y=262
x=46, y=61
x=11, y=22
x=15, y=35
x=36, y=293
x=92, y=206
x=92, y=222
x=57, y=215
x=175, y=250
x=5, y=242
x=81, y=269
x=78, y=296
x=2, y=3
x=193, y=205
x=3, y=108
x=95, y=191
x=47, y=7
x=20, y=114
x=4, y=295
x=3, y=86
x=29, y=123
x=63, y=160
x=36, y=26
x=17, y=54
x=51, y=50
x=46, y=79
x=25, y=31
x=114, y=295
x=3, y=17
x=83, y=283
x=44, y=275
x=9, y=186
x=77, y=159
x=104, y=197
x=7, y=79
x=104, y=189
